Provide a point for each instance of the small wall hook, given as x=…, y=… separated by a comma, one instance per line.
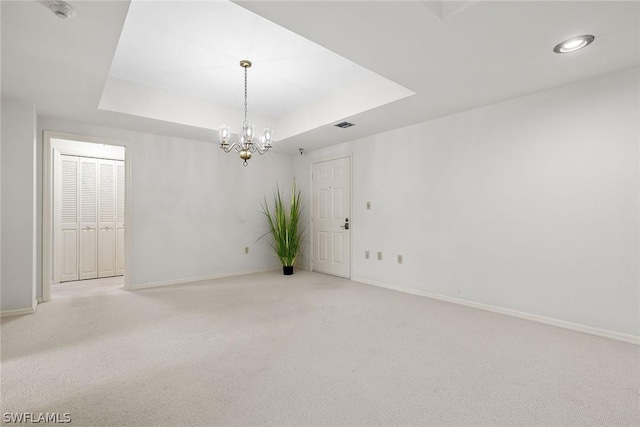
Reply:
x=301, y=150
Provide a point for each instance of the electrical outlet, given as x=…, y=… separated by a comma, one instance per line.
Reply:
x=366, y=254
x=246, y=249
x=368, y=205
x=379, y=256
x=400, y=259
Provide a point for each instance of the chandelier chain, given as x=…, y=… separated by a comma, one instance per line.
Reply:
x=245, y=96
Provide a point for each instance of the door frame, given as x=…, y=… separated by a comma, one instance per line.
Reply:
x=47, y=201
x=350, y=184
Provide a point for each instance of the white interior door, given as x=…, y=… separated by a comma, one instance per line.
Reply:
x=88, y=218
x=119, y=218
x=330, y=216
x=66, y=220
x=106, y=218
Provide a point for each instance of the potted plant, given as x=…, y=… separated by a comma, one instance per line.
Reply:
x=284, y=226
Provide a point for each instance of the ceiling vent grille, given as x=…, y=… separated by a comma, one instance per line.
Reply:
x=344, y=125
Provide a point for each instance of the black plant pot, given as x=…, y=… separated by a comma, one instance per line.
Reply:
x=287, y=270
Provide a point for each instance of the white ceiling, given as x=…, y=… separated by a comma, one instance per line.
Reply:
x=179, y=62
x=452, y=56
x=194, y=49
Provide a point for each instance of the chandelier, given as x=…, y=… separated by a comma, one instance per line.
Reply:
x=246, y=145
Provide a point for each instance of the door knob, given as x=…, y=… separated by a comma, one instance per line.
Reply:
x=346, y=224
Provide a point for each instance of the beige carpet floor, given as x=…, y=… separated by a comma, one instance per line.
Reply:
x=88, y=288
x=307, y=349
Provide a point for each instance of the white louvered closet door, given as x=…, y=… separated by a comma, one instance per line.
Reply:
x=119, y=218
x=106, y=218
x=66, y=229
x=88, y=218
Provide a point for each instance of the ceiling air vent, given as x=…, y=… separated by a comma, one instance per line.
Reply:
x=344, y=125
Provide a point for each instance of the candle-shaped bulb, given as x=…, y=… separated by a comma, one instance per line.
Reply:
x=267, y=137
x=224, y=134
x=247, y=131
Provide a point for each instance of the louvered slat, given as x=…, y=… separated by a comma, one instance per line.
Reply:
x=106, y=192
x=106, y=213
x=120, y=192
x=89, y=193
x=69, y=191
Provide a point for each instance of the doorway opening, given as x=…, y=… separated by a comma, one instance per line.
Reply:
x=86, y=215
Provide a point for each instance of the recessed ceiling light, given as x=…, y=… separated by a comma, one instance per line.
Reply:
x=573, y=44
x=61, y=9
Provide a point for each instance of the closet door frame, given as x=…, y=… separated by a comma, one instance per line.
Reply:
x=50, y=150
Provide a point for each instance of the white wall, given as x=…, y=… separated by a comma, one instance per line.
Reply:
x=530, y=204
x=19, y=249
x=194, y=208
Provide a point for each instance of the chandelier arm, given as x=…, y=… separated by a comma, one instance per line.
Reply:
x=232, y=146
x=227, y=148
x=261, y=150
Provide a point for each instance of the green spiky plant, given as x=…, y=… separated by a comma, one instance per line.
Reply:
x=284, y=224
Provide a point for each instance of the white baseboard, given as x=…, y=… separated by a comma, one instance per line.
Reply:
x=197, y=279
x=633, y=339
x=21, y=311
